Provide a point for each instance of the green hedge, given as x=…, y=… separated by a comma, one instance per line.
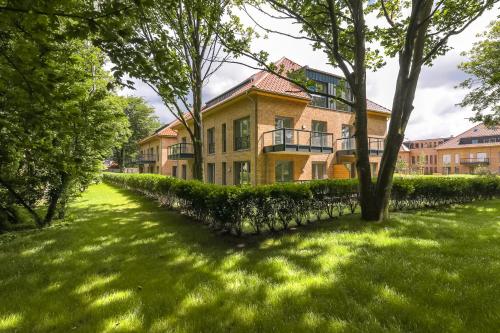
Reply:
x=237, y=209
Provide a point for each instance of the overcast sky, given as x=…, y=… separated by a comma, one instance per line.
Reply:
x=435, y=113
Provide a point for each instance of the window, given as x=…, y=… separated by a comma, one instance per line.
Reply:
x=224, y=173
x=435, y=160
x=482, y=157
x=320, y=100
x=283, y=171
x=184, y=139
x=242, y=173
x=242, y=134
x=157, y=153
x=211, y=173
x=413, y=160
x=426, y=159
x=318, y=170
x=318, y=138
x=174, y=171
x=158, y=169
x=211, y=140
x=348, y=142
x=457, y=170
x=457, y=158
x=286, y=135
x=342, y=90
x=446, y=170
x=184, y=171
x=224, y=143
x=446, y=159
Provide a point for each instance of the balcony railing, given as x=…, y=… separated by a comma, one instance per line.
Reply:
x=242, y=142
x=347, y=146
x=146, y=158
x=475, y=161
x=180, y=151
x=296, y=140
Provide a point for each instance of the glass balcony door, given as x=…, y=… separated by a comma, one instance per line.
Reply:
x=286, y=135
x=319, y=137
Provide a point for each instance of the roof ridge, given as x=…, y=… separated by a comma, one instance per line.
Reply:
x=470, y=129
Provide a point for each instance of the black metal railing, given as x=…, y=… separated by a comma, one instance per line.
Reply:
x=242, y=142
x=182, y=150
x=211, y=147
x=375, y=145
x=290, y=139
x=145, y=158
x=480, y=160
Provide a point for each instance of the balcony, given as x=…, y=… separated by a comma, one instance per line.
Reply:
x=475, y=161
x=347, y=146
x=288, y=140
x=145, y=159
x=180, y=151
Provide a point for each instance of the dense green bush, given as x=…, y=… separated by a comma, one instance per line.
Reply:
x=238, y=209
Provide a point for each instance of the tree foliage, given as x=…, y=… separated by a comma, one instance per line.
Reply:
x=142, y=123
x=174, y=47
x=58, y=115
x=414, y=31
x=483, y=67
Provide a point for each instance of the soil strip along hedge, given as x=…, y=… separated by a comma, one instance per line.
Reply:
x=236, y=209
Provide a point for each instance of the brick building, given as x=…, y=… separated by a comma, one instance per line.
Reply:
x=153, y=152
x=421, y=156
x=475, y=149
x=267, y=130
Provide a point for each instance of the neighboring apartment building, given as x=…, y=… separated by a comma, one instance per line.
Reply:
x=421, y=156
x=267, y=130
x=465, y=153
x=153, y=152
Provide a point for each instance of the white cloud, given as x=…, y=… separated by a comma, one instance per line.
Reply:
x=435, y=113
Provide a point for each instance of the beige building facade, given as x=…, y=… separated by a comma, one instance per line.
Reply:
x=153, y=157
x=267, y=130
x=476, y=150
x=421, y=156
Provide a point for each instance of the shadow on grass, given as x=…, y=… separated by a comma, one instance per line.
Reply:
x=124, y=264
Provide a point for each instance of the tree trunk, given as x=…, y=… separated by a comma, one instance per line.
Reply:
x=361, y=119
x=54, y=196
x=410, y=64
x=23, y=203
x=197, y=121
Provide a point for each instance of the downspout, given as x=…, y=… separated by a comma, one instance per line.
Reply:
x=256, y=132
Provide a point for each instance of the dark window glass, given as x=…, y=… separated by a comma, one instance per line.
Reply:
x=211, y=173
x=224, y=144
x=242, y=134
x=283, y=171
x=224, y=173
x=242, y=173
x=211, y=140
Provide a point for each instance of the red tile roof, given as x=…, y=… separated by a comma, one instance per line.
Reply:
x=474, y=132
x=272, y=83
x=167, y=131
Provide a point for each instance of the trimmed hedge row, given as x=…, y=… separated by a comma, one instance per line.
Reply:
x=236, y=209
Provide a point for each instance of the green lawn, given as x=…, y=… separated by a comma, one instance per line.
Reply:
x=122, y=264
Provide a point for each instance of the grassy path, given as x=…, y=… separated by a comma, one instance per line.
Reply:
x=121, y=264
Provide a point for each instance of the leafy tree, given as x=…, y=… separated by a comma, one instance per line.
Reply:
x=58, y=116
x=401, y=166
x=484, y=68
x=174, y=47
x=142, y=121
x=414, y=31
